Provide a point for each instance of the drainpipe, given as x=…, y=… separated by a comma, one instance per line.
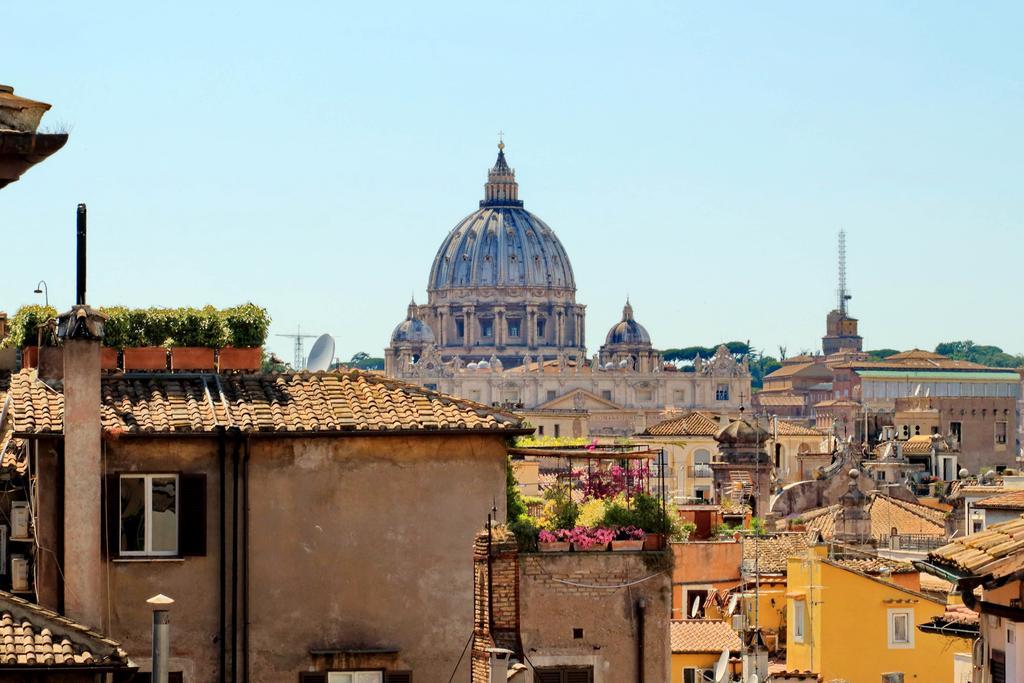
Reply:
x=161, y=636
x=222, y=537
x=641, y=611
x=245, y=562
x=235, y=448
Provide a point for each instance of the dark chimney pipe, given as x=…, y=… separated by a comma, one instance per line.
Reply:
x=80, y=290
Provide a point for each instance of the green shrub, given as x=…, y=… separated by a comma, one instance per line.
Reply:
x=198, y=327
x=649, y=515
x=526, y=531
x=618, y=515
x=515, y=506
x=158, y=327
x=25, y=327
x=247, y=325
x=124, y=327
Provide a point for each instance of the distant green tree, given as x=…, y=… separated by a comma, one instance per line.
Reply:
x=364, y=361
x=992, y=356
x=881, y=354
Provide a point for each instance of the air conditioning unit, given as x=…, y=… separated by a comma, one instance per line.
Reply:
x=896, y=677
x=20, y=581
x=20, y=517
x=739, y=622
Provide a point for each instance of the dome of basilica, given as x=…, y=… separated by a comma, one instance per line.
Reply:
x=412, y=330
x=628, y=331
x=501, y=245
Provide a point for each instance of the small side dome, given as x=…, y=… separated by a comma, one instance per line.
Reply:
x=628, y=330
x=742, y=433
x=412, y=329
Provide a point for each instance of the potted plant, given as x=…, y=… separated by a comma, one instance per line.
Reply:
x=797, y=524
x=153, y=329
x=683, y=531
x=590, y=540
x=556, y=541
x=195, y=334
x=628, y=538
x=651, y=518
x=246, y=328
x=25, y=333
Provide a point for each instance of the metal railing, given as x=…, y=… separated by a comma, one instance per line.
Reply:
x=911, y=542
x=700, y=472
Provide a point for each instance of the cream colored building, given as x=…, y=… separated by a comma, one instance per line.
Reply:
x=502, y=327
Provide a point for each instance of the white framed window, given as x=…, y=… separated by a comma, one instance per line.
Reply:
x=901, y=628
x=149, y=514
x=799, y=608
x=355, y=677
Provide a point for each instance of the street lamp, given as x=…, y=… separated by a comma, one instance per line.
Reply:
x=41, y=288
x=161, y=636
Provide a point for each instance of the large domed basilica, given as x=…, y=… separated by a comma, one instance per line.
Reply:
x=501, y=286
x=502, y=326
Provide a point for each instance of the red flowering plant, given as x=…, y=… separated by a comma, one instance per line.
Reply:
x=556, y=536
x=629, y=533
x=586, y=537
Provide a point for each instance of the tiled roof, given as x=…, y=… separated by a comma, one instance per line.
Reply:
x=837, y=403
x=886, y=512
x=298, y=402
x=767, y=399
x=703, y=635
x=1011, y=500
x=31, y=635
x=772, y=551
x=915, y=359
x=998, y=550
x=691, y=424
x=875, y=565
x=794, y=429
x=933, y=584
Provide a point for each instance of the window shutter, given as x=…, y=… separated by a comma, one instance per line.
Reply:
x=110, y=530
x=688, y=676
x=547, y=675
x=312, y=678
x=192, y=514
x=579, y=675
x=398, y=677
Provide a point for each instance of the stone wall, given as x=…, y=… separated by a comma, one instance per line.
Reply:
x=584, y=609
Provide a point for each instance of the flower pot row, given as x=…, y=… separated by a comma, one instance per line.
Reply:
x=159, y=359
x=566, y=546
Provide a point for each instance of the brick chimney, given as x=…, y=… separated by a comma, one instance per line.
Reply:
x=81, y=330
x=496, y=617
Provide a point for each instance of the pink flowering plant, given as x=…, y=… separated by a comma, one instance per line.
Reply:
x=587, y=537
x=556, y=536
x=629, y=533
x=608, y=482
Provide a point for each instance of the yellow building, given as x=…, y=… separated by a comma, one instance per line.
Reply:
x=845, y=624
x=697, y=647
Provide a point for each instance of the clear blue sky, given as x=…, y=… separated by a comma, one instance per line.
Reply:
x=311, y=158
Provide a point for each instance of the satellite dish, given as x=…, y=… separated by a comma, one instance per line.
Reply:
x=483, y=365
x=471, y=366
x=695, y=609
x=322, y=353
x=721, y=669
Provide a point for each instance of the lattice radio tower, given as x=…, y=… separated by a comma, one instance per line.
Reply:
x=844, y=295
x=299, y=361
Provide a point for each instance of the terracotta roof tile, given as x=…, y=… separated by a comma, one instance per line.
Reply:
x=703, y=635
x=288, y=403
x=1011, y=500
x=795, y=429
x=691, y=424
x=773, y=551
x=998, y=550
x=886, y=512
x=767, y=399
x=31, y=635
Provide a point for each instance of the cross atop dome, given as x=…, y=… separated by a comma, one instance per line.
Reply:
x=501, y=188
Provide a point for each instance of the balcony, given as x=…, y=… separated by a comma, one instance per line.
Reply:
x=700, y=472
